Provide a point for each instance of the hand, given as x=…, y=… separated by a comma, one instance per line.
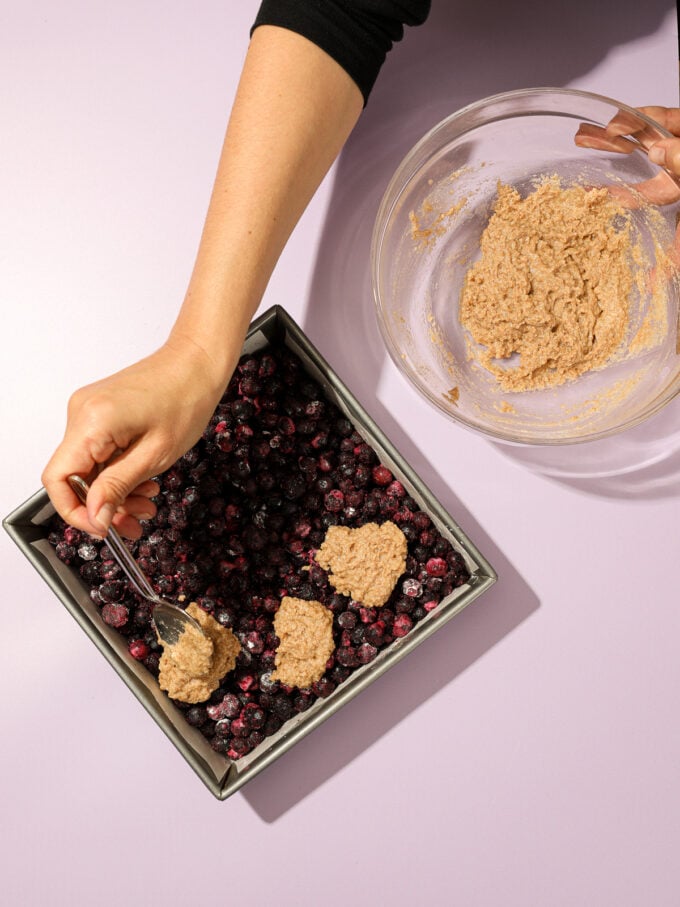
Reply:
x=625, y=133
x=666, y=152
x=126, y=428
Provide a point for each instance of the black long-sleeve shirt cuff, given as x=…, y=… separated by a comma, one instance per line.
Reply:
x=357, y=34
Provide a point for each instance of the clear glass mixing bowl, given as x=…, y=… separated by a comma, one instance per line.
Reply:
x=427, y=235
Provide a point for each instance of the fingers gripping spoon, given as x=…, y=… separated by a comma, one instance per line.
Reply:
x=170, y=620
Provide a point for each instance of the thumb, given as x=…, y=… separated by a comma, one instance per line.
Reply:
x=666, y=153
x=115, y=483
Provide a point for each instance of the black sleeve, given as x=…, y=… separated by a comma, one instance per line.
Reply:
x=357, y=34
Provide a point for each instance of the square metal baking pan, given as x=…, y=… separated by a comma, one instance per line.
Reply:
x=27, y=525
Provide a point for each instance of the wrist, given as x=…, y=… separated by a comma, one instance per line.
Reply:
x=212, y=363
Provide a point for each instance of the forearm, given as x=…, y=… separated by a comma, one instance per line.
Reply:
x=293, y=111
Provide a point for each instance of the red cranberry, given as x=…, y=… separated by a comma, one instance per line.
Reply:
x=239, y=728
x=246, y=681
x=225, y=441
x=436, y=566
x=72, y=536
x=326, y=463
x=115, y=615
x=396, y=489
x=402, y=624
x=427, y=538
x=412, y=588
x=138, y=649
x=320, y=440
x=381, y=475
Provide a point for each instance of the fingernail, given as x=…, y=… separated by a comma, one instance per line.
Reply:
x=656, y=155
x=104, y=517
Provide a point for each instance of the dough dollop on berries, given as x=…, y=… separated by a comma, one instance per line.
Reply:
x=192, y=668
x=364, y=563
x=305, y=631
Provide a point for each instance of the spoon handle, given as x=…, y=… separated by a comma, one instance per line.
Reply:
x=118, y=547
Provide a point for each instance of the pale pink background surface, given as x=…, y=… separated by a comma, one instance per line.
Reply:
x=526, y=755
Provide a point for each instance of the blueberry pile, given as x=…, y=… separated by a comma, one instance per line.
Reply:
x=239, y=519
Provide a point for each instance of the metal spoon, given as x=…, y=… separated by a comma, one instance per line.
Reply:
x=170, y=620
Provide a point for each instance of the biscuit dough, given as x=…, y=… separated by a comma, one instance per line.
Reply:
x=364, y=563
x=551, y=286
x=305, y=631
x=192, y=668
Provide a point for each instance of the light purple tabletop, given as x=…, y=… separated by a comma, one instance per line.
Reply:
x=528, y=753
